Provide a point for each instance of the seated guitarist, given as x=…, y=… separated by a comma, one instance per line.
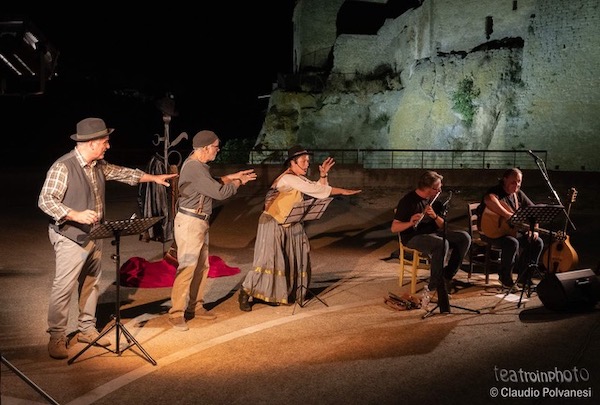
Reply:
x=499, y=203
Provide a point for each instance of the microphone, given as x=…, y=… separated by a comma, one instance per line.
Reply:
x=533, y=155
x=445, y=204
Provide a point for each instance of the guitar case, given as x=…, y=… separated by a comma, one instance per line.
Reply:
x=572, y=290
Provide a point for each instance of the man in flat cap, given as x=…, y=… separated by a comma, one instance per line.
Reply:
x=73, y=195
x=197, y=190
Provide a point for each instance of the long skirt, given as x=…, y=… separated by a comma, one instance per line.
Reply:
x=281, y=267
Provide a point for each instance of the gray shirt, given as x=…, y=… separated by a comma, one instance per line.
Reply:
x=198, y=188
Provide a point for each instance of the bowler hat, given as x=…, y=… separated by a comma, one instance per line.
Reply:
x=296, y=151
x=90, y=129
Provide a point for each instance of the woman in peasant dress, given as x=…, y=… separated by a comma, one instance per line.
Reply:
x=281, y=266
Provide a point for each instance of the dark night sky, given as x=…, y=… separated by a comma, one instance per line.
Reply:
x=216, y=59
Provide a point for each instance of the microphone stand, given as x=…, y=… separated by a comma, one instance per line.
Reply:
x=443, y=302
x=542, y=166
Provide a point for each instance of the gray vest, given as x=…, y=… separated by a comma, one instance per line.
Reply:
x=79, y=197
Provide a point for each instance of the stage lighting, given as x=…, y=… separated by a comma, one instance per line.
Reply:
x=27, y=59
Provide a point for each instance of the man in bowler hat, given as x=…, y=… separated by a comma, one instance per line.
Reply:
x=73, y=195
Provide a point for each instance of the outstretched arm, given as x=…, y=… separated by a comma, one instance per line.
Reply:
x=157, y=178
x=343, y=191
x=243, y=176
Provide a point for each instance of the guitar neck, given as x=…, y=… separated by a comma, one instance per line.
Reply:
x=572, y=196
x=525, y=227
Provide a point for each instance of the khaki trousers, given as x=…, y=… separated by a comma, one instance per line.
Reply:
x=191, y=237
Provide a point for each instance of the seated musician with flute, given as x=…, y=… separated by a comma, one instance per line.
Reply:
x=419, y=218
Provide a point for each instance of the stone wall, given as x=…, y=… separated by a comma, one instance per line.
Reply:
x=314, y=32
x=560, y=66
x=532, y=63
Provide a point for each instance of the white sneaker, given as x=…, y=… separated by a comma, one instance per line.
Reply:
x=425, y=298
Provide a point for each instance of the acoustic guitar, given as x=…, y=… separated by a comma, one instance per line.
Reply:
x=562, y=255
x=494, y=226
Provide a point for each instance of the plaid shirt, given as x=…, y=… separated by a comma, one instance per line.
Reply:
x=56, y=183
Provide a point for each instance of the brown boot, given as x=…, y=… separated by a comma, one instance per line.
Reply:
x=57, y=347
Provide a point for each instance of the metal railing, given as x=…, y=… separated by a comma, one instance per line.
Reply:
x=412, y=158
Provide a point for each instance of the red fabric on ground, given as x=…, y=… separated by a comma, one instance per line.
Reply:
x=218, y=268
x=139, y=272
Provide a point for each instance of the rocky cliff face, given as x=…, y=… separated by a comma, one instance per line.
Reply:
x=451, y=74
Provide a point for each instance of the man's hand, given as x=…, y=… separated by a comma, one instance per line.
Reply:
x=244, y=176
x=88, y=217
x=162, y=178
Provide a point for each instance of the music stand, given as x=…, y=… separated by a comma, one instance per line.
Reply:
x=117, y=229
x=534, y=214
x=307, y=210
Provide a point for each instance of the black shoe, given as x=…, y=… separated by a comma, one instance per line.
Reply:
x=525, y=284
x=243, y=300
x=450, y=287
x=506, y=282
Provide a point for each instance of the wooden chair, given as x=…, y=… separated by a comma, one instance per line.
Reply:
x=411, y=260
x=481, y=252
